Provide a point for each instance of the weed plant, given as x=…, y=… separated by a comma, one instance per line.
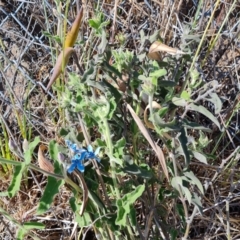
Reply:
x=134, y=139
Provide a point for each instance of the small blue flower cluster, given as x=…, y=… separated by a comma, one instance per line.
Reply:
x=81, y=155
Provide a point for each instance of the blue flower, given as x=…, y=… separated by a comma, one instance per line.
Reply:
x=80, y=155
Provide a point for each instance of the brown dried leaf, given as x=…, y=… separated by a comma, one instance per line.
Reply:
x=155, y=56
x=60, y=64
x=85, y=190
x=146, y=134
x=43, y=162
x=160, y=47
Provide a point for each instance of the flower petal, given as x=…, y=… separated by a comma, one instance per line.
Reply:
x=89, y=148
x=80, y=150
x=80, y=167
x=72, y=146
x=78, y=157
x=90, y=155
x=71, y=168
x=68, y=143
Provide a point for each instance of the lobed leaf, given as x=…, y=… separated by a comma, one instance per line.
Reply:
x=29, y=151
x=16, y=180
x=205, y=112
x=52, y=188
x=125, y=207
x=54, y=151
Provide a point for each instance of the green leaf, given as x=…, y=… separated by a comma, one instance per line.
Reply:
x=179, y=102
x=35, y=225
x=194, y=180
x=101, y=109
x=174, y=232
x=124, y=205
x=52, y=188
x=89, y=74
x=102, y=46
x=98, y=85
x=24, y=230
x=163, y=126
x=193, y=125
x=203, y=140
x=54, y=37
x=116, y=160
x=21, y=233
x=119, y=148
x=94, y=23
x=185, y=95
x=113, y=90
x=197, y=202
x=84, y=220
x=195, y=79
x=111, y=69
x=133, y=169
x=158, y=73
x=53, y=151
x=73, y=80
x=187, y=193
x=97, y=201
x=121, y=219
x=216, y=101
x=28, y=153
x=183, y=141
x=132, y=216
x=205, y=112
x=167, y=83
x=63, y=132
x=143, y=78
x=113, y=106
x=16, y=180
x=200, y=157
x=176, y=182
x=163, y=111
x=180, y=211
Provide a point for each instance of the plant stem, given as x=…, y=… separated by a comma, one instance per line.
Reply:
x=112, y=163
x=113, y=166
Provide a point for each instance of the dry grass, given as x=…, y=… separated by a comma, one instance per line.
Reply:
x=26, y=64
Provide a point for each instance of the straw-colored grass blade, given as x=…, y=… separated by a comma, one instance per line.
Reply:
x=146, y=134
x=60, y=64
x=73, y=33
